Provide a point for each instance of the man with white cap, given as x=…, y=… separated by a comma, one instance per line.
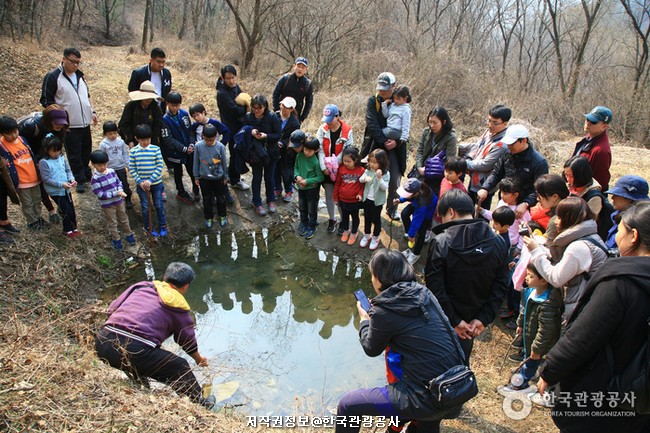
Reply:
x=298, y=86
x=522, y=163
x=66, y=86
x=141, y=110
x=374, y=138
x=595, y=146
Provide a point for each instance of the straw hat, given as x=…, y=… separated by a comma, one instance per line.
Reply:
x=147, y=91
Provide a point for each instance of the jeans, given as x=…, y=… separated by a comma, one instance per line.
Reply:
x=213, y=188
x=529, y=369
x=66, y=209
x=373, y=402
x=156, y=194
x=350, y=211
x=407, y=213
x=78, y=145
x=308, y=206
x=372, y=216
x=267, y=171
x=139, y=360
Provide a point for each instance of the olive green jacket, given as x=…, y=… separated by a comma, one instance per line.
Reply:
x=541, y=319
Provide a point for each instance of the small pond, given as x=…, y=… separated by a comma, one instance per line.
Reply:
x=279, y=317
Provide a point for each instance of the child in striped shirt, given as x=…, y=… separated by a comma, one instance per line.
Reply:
x=109, y=190
x=146, y=167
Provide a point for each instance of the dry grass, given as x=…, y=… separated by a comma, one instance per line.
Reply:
x=51, y=379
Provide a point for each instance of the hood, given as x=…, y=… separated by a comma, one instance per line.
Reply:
x=585, y=228
x=407, y=298
x=466, y=234
x=171, y=297
x=635, y=268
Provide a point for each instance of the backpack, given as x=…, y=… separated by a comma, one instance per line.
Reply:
x=604, y=218
x=33, y=118
x=633, y=380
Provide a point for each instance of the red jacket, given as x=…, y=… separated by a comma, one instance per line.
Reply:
x=347, y=186
x=599, y=154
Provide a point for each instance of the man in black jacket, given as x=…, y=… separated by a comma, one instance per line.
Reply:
x=155, y=72
x=522, y=163
x=298, y=86
x=467, y=269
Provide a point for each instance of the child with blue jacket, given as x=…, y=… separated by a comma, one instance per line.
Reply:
x=58, y=181
x=417, y=215
x=179, y=143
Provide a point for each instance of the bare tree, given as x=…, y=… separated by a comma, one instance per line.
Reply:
x=638, y=12
x=146, y=25
x=108, y=11
x=250, y=25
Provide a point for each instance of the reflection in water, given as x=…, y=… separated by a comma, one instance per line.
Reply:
x=281, y=322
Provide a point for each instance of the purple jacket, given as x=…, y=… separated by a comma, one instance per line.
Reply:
x=140, y=310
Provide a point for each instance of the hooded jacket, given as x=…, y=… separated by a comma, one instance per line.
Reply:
x=613, y=311
x=417, y=344
x=467, y=270
x=541, y=320
x=154, y=311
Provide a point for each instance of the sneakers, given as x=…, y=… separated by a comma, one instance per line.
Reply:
x=164, y=196
x=55, y=218
x=511, y=390
x=310, y=233
x=287, y=197
x=36, y=225
x=353, y=238
x=184, y=197
x=241, y=185
x=128, y=203
x=278, y=194
x=208, y=224
x=74, y=234
x=545, y=400
x=163, y=232
x=302, y=229
x=223, y=221
x=374, y=243
x=6, y=238
x=345, y=236
x=340, y=231
x=406, y=253
x=428, y=237
x=331, y=226
x=130, y=239
x=208, y=402
x=9, y=228
x=259, y=210
x=365, y=240
x=117, y=244
x=507, y=314
x=412, y=258
x=229, y=198
x=394, y=216
x=272, y=207
x=154, y=232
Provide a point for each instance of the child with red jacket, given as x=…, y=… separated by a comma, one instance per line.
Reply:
x=348, y=193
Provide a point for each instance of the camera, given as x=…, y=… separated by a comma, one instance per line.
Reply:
x=523, y=231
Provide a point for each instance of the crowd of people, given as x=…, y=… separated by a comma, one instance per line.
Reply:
x=548, y=248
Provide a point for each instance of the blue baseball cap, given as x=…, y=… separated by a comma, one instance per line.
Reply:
x=302, y=61
x=329, y=113
x=631, y=187
x=599, y=114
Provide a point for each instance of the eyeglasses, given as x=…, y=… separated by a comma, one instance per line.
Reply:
x=74, y=62
x=493, y=122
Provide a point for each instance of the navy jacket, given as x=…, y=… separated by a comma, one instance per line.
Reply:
x=301, y=89
x=221, y=129
x=271, y=125
x=176, y=135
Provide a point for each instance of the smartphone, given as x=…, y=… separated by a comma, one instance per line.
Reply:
x=361, y=297
x=523, y=231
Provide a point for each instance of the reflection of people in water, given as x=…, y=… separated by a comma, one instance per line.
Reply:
x=407, y=323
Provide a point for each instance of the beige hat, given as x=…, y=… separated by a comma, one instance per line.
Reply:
x=288, y=102
x=147, y=91
x=243, y=99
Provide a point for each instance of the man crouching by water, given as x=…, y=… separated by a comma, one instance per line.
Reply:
x=144, y=316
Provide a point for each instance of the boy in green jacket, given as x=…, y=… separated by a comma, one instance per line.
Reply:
x=308, y=176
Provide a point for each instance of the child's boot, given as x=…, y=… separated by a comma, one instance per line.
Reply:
x=117, y=244
x=131, y=239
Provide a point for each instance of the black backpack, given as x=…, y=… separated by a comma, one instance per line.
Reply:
x=604, y=218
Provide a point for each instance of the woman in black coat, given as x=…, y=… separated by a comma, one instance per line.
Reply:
x=407, y=324
x=610, y=320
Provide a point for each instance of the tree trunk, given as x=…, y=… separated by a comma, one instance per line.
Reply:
x=183, y=30
x=145, y=27
x=107, y=20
